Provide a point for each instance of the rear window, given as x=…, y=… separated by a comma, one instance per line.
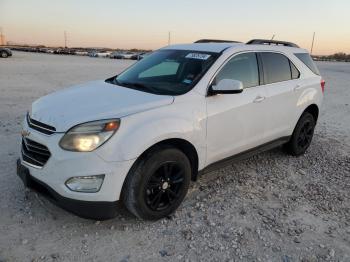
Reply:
x=307, y=60
x=276, y=67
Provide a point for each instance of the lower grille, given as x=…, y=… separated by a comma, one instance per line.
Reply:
x=34, y=153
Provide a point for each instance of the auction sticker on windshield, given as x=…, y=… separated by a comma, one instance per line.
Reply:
x=198, y=56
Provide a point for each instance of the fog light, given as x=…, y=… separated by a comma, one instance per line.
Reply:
x=87, y=184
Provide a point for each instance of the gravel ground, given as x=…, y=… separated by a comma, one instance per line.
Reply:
x=271, y=207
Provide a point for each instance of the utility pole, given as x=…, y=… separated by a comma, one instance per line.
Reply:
x=273, y=36
x=65, y=39
x=312, y=45
x=2, y=41
x=169, y=38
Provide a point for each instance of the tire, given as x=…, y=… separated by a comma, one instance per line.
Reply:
x=157, y=183
x=302, y=135
x=4, y=54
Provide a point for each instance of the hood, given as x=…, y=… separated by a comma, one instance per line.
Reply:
x=93, y=101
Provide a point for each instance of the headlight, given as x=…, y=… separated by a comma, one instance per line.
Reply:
x=89, y=136
x=87, y=184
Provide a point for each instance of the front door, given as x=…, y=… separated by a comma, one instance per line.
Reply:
x=236, y=122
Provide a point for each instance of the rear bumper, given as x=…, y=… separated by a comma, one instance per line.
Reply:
x=99, y=210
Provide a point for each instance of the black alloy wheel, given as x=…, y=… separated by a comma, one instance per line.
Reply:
x=164, y=186
x=302, y=135
x=305, y=135
x=157, y=183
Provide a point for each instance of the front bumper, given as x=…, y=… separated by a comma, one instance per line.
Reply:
x=63, y=165
x=87, y=209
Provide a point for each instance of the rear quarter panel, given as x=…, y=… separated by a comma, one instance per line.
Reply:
x=311, y=93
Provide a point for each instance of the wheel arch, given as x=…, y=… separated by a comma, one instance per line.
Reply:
x=184, y=146
x=313, y=110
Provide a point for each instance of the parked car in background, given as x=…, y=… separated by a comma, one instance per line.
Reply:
x=63, y=51
x=100, y=54
x=91, y=53
x=143, y=55
x=103, y=54
x=116, y=55
x=127, y=55
x=5, y=52
x=139, y=56
x=49, y=51
x=81, y=52
x=45, y=50
x=135, y=57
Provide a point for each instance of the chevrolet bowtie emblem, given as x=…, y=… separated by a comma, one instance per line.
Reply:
x=25, y=133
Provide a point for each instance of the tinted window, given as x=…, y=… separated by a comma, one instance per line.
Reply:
x=166, y=71
x=307, y=60
x=243, y=67
x=163, y=69
x=276, y=68
x=295, y=71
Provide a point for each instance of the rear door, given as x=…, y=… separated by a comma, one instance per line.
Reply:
x=282, y=80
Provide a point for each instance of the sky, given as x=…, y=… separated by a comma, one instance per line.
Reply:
x=145, y=24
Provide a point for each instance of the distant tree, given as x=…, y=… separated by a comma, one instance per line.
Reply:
x=340, y=57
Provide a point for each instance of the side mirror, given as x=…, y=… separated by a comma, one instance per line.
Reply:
x=227, y=86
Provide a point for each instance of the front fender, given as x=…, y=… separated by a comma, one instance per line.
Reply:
x=141, y=131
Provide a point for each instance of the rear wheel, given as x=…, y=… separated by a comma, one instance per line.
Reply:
x=302, y=135
x=4, y=54
x=157, y=184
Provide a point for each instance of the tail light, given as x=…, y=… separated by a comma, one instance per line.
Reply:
x=323, y=83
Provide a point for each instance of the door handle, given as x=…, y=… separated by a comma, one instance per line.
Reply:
x=259, y=99
x=297, y=87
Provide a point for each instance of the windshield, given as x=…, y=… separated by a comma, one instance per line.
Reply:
x=167, y=72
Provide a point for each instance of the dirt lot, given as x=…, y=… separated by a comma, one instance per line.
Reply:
x=271, y=207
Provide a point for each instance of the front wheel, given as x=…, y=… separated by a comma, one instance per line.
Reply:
x=157, y=183
x=302, y=135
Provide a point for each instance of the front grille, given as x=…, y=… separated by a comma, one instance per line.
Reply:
x=34, y=153
x=41, y=127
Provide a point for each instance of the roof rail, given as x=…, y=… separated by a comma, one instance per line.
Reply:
x=270, y=42
x=215, y=41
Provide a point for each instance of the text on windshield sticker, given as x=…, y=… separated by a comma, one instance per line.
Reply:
x=198, y=56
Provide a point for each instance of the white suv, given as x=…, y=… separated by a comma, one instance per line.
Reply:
x=142, y=136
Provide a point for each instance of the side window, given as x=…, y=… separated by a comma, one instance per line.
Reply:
x=243, y=67
x=307, y=60
x=166, y=68
x=277, y=67
x=295, y=72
